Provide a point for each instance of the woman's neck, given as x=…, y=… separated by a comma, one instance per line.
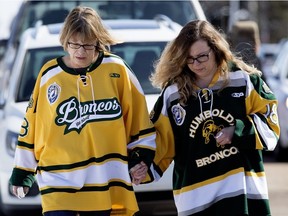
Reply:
x=204, y=82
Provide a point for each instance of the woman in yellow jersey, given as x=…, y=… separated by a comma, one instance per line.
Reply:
x=86, y=135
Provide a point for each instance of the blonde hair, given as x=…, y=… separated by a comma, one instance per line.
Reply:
x=172, y=67
x=88, y=23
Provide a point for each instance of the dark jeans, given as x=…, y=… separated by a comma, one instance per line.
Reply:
x=74, y=213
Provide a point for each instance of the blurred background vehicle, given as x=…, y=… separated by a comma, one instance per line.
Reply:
x=278, y=82
x=268, y=53
x=25, y=52
x=244, y=38
x=8, y=11
x=180, y=11
x=143, y=42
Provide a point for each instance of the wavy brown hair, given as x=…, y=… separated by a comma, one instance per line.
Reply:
x=172, y=67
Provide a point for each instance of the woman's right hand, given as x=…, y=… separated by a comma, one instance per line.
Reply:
x=20, y=191
x=225, y=136
x=138, y=172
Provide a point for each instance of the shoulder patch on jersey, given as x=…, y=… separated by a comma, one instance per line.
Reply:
x=178, y=114
x=31, y=102
x=53, y=93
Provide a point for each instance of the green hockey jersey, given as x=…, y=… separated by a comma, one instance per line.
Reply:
x=77, y=134
x=210, y=179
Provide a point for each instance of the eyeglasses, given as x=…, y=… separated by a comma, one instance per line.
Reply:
x=85, y=46
x=199, y=59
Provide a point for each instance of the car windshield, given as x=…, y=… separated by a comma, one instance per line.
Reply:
x=56, y=11
x=33, y=61
x=138, y=55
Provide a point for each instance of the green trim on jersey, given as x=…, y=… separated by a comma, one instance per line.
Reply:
x=210, y=179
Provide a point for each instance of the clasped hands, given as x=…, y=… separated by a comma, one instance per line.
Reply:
x=138, y=172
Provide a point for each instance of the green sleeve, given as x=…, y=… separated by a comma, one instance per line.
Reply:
x=22, y=178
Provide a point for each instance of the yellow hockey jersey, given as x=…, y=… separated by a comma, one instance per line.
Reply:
x=77, y=133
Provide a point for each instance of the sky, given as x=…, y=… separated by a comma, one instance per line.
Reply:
x=8, y=10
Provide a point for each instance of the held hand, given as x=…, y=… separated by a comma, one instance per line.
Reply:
x=20, y=191
x=138, y=173
x=225, y=136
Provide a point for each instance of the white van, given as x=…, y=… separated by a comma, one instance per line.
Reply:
x=41, y=44
x=180, y=11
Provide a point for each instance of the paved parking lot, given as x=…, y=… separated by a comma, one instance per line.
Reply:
x=277, y=178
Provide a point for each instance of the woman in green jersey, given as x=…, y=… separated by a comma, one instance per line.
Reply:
x=214, y=118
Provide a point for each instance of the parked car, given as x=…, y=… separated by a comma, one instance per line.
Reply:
x=143, y=42
x=268, y=53
x=278, y=82
x=180, y=11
